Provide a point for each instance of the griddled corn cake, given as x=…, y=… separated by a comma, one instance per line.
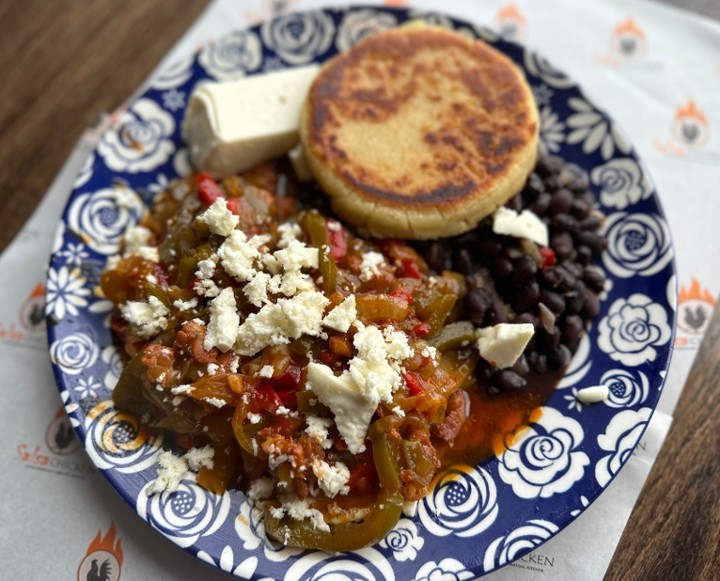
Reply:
x=419, y=132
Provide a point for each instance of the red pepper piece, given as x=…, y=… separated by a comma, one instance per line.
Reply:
x=403, y=294
x=421, y=329
x=547, y=255
x=185, y=441
x=363, y=476
x=328, y=358
x=289, y=379
x=413, y=383
x=264, y=399
x=208, y=190
x=233, y=205
x=336, y=239
x=409, y=268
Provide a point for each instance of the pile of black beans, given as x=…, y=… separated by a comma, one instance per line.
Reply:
x=509, y=281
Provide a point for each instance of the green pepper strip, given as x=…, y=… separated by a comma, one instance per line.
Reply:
x=385, y=453
x=383, y=516
x=316, y=229
x=453, y=336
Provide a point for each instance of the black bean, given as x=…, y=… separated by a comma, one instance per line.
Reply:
x=524, y=270
x=502, y=267
x=563, y=245
x=572, y=329
x=485, y=370
x=515, y=203
x=568, y=280
x=576, y=300
x=528, y=318
x=562, y=201
x=552, y=340
x=553, y=301
x=574, y=268
x=584, y=254
x=580, y=208
x=594, y=278
x=435, y=256
x=508, y=380
x=489, y=247
x=559, y=357
x=541, y=204
x=552, y=276
x=534, y=187
x=595, y=242
x=462, y=261
x=527, y=298
x=589, y=197
x=574, y=177
x=591, y=222
x=513, y=252
x=521, y=366
x=564, y=222
x=591, y=305
x=538, y=362
x=476, y=305
x=498, y=314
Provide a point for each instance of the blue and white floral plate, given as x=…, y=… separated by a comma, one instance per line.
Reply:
x=477, y=518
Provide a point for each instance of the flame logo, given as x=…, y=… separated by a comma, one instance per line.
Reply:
x=628, y=40
x=690, y=126
x=696, y=305
x=510, y=22
x=32, y=313
x=103, y=559
x=59, y=436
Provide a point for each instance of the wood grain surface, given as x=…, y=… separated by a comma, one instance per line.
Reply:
x=63, y=62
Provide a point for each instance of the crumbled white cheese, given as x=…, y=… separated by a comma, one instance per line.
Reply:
x=206, y=270
x=256, y=289
x=135, y=238
x=333, y=480
x=523, y=225
x=254, y=418
x=212, y=368
x=277, y=323
x=288, y=231
x=373, y=375
x=151, y=278
x=184, y=389
x=112, y=262
x=148, y=318
x=594, y=394
x=297, y=255
x=266, y=371
x=317, y=428
x=172, y=469
x=502, y=344
x=300, y=510
x=342, y=316
x=409, y=508
x=429, y=352
x=333, y=225
x=219, y=218
x=215, y=401
x=398, y=411
x=224, y=322
x=261, y=489
x=370, y=265
x=183, y=306
x=150, y=253
x=238, y=256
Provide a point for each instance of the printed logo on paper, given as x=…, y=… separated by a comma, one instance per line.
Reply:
x=628, y=47
x=29, y=328
x=60, y=437
x=104, y=558
x=695, y=307
x=689, y=135
x=511, y=23
x=56, y=456
x=270, y=9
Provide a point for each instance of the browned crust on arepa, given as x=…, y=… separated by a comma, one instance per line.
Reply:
x=420, y=127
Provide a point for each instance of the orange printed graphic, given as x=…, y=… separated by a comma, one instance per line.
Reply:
x=628, y=40
x=59, y=435
x=695, y=306
x=103, y=559
x=690, y=126
x=32, y=315
x=510, y=22
x=395, y=3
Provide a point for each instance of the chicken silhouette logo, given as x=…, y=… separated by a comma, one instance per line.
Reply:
x=59, y=436
x=104, y=558
x=510, y=22
x=690, y=127
x=695, y=308
x=628, y=40
x=32, y=316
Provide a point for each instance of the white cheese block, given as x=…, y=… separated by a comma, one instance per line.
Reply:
x=523, y=225
x=594, y=394
x=233, y=126
x=502, y=344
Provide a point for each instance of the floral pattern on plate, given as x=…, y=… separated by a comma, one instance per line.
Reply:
x=478, y=518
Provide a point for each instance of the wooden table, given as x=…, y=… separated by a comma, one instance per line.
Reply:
x=55, y=81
